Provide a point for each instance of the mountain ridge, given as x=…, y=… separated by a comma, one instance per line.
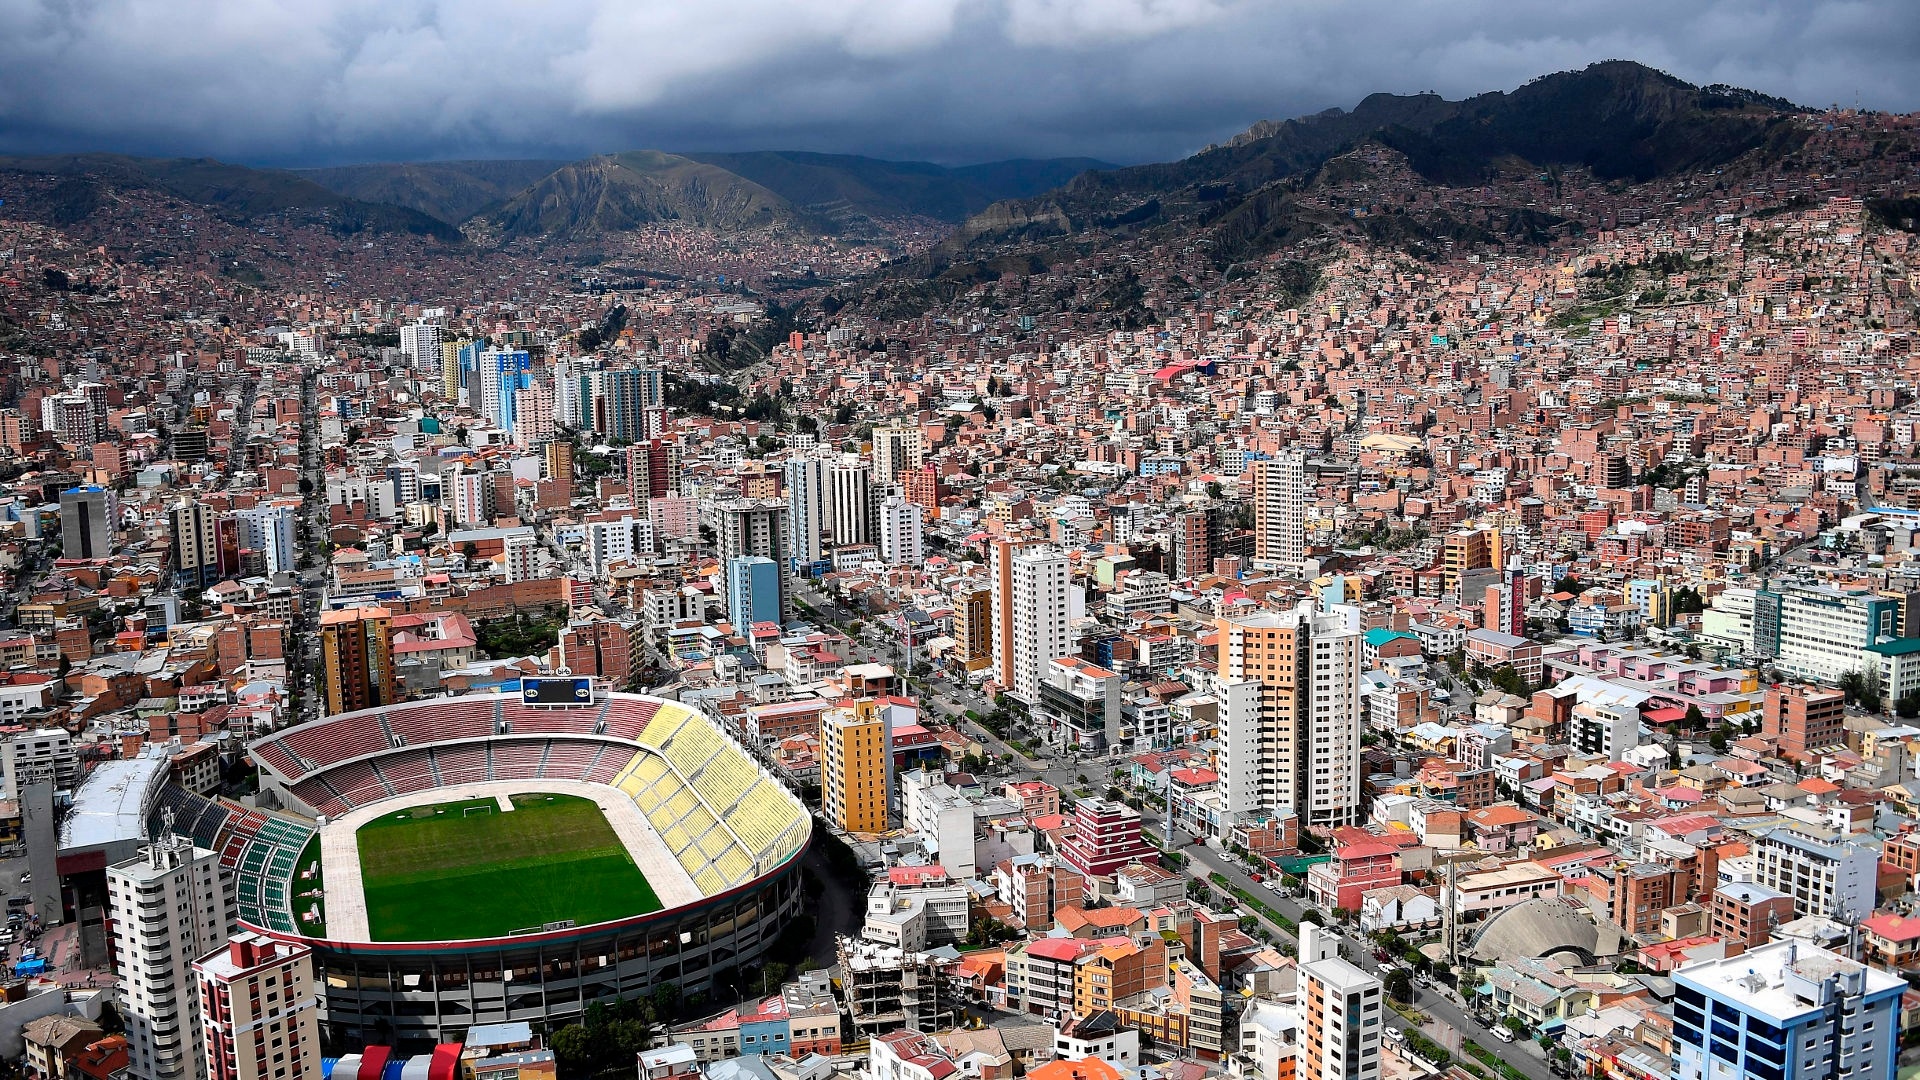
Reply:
x=1621, y=119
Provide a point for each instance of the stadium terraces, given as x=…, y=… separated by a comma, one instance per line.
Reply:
x=736, y=831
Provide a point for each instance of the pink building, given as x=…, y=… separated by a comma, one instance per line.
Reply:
x=1105, y=837
x=1354, y=870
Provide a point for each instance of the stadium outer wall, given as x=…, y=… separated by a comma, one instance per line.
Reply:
x=413, y=994
x=417, y=993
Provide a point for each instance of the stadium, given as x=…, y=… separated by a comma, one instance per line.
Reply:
x=494, y=858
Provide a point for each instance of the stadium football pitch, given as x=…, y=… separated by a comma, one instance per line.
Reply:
x=469, y=869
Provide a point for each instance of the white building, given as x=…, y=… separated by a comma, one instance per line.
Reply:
x=915, y=917
x=1030, y=612
x=523, y=557
x=1280, y=509
x=1836, y=879
x=420, y=344
x=269, y=529
x=1241, y=785
x=1821, y=629
x=25, y=755
x=1604, y=729
x=610, y=542
x=902, y=540
x=806, y=484
x=170, y=906
x=1141, y=592
x=849, y=501
x=943, y=819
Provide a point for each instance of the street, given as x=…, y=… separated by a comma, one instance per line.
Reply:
x=1448, y=1023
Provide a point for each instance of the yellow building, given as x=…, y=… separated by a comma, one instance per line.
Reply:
x=356, y=648
x=856, y=765
x=973, y=629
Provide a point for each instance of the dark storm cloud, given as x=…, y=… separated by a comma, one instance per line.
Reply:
x=316, y=81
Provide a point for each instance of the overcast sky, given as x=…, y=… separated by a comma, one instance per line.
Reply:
x=335, y=81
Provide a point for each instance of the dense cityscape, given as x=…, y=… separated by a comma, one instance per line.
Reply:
x=1457, y=625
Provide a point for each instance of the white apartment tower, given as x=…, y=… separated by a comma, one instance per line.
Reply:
x=806, y=480
x=1280, y=509
x=848, y=501
x=897, y=451
x=420, y=344
x=1030, y=614
x=1238, y=704
x=902, y=540
x=170, y=906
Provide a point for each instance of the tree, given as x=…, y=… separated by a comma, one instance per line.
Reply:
x=1695, y=718
x=572, y=1047
x=1400, y=985
x=1908, y=706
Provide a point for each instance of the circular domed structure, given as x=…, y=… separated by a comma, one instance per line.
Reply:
x=1547, y=926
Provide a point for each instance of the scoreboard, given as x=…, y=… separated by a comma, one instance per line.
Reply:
x=557, y=692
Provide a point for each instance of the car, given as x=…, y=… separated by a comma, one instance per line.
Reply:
x=1503, y=1033
x=1387, y=968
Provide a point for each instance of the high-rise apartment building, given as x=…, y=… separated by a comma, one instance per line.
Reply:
x=259, y=1014
x=270, y=529
x=614, y=402
x=1280, y=509
x=87, y=522
x=356, y=649
x=897, y=450
x=503, y=373
x=470, y=497
x=748, y=527
x=420, y=344
x=1241, y=763
x=1308, y=664
x=753, y=592
x=170, y=905
x=1031, y=613
x=856, y=767
x=533, y=408
x=1784, y=1011
x=653, y=470
x=193, y=539
x=902, y=539
x=848, y=501
x=973, y=628
x=559, y=460
x=805, y=480
x=1192, y=554
x=1341, y=1011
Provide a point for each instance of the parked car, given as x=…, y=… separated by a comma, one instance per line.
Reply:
x=1503, y=1033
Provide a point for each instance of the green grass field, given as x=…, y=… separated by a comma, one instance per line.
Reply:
x=467, y=869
